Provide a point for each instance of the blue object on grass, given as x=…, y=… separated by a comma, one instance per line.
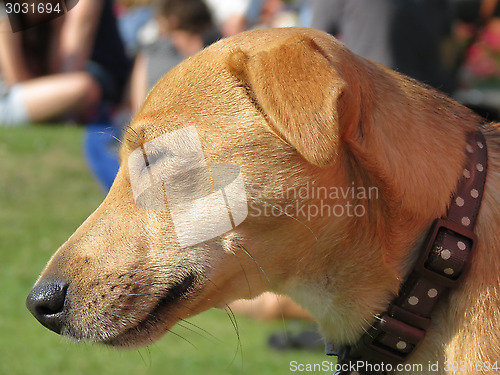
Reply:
x=101, y=150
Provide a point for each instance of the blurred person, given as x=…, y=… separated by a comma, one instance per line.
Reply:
x=229, y=15
x=185, y=27
x=133, y=16
x=274, y=13
x=478, y=38
x=79, y=64
x=404, y=35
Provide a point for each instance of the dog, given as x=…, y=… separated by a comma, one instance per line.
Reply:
x=305, y=123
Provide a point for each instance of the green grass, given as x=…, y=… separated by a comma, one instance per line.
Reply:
x=46, y=191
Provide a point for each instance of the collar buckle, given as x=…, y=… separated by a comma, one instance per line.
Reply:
x=434, y=243
x=388, y=328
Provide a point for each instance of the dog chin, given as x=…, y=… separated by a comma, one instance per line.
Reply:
x=160, y=319
x=141, y=335
x=132, y=332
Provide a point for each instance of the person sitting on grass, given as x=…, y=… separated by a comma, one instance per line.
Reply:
x=63, y=69
x=185, y=27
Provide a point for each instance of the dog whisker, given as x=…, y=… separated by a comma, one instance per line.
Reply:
x=115, y=138
x=202, y=329
x=234, y=322
x=244, y=273
x=183, y=338
x=128, y=135
x=249, y=288
x=149, y=363
x=151, y=324
x=232, y=319
x=210, y=337
x=377, y=317
x=370, y=325
x=257, y=264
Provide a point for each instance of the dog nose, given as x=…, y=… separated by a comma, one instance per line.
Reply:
x=46, y=302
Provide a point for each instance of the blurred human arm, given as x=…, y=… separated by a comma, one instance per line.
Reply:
x=138, y=82
x=229, y=15
x=12, y=62
x=77, y=35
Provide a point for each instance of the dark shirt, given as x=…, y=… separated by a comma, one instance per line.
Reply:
x=109, y=50
x=161, y=56
x=404, y=35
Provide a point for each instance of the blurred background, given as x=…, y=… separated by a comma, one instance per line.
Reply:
x=70, y=85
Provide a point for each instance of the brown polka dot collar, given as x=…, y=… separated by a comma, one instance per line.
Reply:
x=444, y=259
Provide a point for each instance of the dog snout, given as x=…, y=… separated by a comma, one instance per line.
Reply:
x=47, y=301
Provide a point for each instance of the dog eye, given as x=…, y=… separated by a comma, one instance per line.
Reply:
x=171, y=172
x=173, y=166
x=156, y=156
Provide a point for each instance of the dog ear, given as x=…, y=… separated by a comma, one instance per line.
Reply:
x=305, y=99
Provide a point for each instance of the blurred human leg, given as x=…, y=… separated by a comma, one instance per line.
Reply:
x=12, y=108
x=56, y=95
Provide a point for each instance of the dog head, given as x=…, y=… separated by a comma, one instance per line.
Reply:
x=273, y=160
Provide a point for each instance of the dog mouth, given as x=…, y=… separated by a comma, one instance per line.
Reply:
x=156, y=316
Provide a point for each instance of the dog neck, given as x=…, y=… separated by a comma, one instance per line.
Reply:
x=444, y=259
x=383, y=248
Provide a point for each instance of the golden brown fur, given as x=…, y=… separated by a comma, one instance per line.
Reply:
x=292, y=107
